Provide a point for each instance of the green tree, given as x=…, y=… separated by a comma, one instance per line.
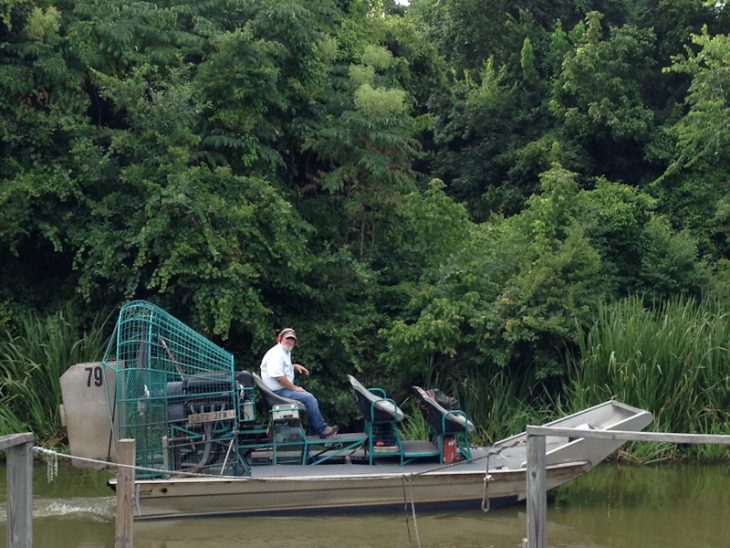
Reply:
x=476, y=135
x=507, y=297
x=695, y=187
x=42, y=115
x=239, y=86
x=640, y=253
x=599, y=99
x=204, y=239
x=365, y=147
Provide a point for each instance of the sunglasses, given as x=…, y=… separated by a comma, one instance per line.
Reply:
x=290, y=338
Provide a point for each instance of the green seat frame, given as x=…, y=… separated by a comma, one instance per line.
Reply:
x=381, y=417
x=445, y=423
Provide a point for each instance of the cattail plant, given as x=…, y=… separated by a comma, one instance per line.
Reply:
x=672, y=359
x=32, y=359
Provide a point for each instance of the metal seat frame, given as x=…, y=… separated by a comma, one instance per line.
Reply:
x=445, y=423
x=381, y=416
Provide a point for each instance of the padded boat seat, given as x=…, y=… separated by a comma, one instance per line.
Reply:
x=374, y=407
x=443, y=421
x=382, y=416
x=248, y=378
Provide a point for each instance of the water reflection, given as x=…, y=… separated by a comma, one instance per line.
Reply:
x=504, y=528
x=610, y=507
x=679, y=506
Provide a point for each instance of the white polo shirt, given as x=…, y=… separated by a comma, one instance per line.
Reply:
x=276, y=363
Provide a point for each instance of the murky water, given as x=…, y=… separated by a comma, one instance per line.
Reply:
x=627, y=507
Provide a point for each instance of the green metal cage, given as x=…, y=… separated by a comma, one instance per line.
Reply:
x=175, y=393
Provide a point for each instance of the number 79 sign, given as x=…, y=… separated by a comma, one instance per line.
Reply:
x=95, y=375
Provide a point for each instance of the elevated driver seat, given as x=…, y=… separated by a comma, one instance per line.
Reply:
x=271, y=398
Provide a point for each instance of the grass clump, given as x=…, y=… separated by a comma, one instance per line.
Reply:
x=672, y=360
x=33, y=356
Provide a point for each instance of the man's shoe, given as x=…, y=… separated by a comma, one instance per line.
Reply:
x=329, y=432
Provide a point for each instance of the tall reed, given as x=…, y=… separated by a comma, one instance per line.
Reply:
x=32, y=359
x=672, y=360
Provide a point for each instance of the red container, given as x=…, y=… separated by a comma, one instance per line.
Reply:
x=450, y=449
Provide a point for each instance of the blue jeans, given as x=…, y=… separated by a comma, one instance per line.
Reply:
x=317, y=423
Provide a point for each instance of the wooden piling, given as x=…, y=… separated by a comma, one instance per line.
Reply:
x=536, y=493
x=19, y=449
x=125, y=494
x=536, y=472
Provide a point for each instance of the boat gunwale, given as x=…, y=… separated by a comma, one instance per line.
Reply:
x=453, y=471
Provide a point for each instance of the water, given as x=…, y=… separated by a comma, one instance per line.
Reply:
x=627, y=507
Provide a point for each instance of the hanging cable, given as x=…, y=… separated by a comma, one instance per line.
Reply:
x=408, y=479
x=49, y=453
x=51, y=467
x=485, y=492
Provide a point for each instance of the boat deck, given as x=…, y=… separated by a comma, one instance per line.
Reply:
x=355, y=464
x=344, y=481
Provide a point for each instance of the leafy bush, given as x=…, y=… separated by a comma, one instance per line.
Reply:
x=506, y=297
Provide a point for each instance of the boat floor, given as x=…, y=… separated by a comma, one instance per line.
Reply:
x=355, y=464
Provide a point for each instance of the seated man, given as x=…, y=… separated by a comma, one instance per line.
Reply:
x=277, y=372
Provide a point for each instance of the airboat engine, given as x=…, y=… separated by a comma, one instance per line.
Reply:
x=201, y=411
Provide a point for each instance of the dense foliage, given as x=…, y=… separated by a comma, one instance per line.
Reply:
x=444, y=192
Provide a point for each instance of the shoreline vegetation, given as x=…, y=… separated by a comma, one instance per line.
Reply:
x=525, y=204
x=670, y=359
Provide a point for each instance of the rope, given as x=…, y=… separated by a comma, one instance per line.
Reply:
x=51, y=467
x=486, y=456
x=51, y=454
x=52, y=459
x=405, y=510
x=407, y=479
x=485, y=490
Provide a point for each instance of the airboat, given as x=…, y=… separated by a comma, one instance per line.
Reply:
x=213, y=441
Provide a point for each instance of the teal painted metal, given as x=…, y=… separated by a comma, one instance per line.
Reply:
x=176, y=393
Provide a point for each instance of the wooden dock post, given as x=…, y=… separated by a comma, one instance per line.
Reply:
x=125, y=494
x=537, y=473
x=19, y=449
x=536, y=493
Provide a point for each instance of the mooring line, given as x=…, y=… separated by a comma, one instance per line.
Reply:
x=52, y=457
x=51, y=454
x=485, y=489
x=409, y=480
x=405, y=510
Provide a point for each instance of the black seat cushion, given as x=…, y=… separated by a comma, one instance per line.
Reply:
x=443, y=421
x=270, y=397
x=374, y=407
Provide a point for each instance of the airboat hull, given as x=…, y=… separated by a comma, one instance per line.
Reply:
x=337, y=493
x=495, y=475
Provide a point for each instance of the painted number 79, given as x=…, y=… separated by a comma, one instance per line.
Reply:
x=95, y=375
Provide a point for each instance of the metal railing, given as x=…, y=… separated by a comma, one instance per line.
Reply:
x=536, y=472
